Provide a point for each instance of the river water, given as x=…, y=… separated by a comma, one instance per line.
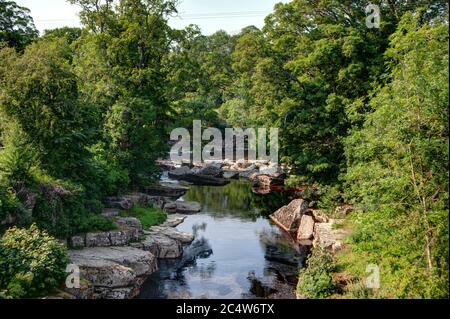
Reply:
x=238, y=253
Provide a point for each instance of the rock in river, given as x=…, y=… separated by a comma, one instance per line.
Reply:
x=289, y=217
x=199, y=179
x=166, y=190
x=182, y=207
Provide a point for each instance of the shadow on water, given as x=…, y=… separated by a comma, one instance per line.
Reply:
x=237, y=252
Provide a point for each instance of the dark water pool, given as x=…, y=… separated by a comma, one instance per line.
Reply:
x=238, y=253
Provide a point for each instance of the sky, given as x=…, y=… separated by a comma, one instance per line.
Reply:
x=210, y=15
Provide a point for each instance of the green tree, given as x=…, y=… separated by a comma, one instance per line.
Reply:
x=398, y=165
x=40, y=93
x=16, y=25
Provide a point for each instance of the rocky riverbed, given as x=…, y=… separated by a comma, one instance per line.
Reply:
x=118, y=264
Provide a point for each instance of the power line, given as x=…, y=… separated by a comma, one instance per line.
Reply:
x=193, y=16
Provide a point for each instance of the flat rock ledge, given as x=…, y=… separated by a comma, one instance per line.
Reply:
x=165, y=242
x=114, y=265
x=114, y=272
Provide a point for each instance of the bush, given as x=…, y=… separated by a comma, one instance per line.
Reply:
x=99, y=223
x=315, y=281
x=32, y=263
x=8, y=202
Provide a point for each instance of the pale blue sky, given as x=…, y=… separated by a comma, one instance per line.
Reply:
x=210, y=15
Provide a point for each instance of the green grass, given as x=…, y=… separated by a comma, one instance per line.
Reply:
x=341, y=225
x=148, y=216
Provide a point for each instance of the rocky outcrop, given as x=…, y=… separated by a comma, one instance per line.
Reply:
x=161, y=246
x=308, y=226
x=114, y=272
x=165, y=242
x=182, y=207
x=183, y=238
x=129, y=230
x=197, y=178
x=166, y=190
x=289, y=217
x=128, y=256
x=327, y=237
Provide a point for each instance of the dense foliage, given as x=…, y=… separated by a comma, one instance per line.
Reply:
x=398, y=167
x=315, y=280
x=84, y=113
x=31, y=263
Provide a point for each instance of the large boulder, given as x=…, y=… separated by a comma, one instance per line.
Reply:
x=289, y=217
x=180, y=171
x=211, y=170
x=166, y=190
x=201, y=180
x=182, y=207
x=115, y=268
x=306, y=229
x=161, y=246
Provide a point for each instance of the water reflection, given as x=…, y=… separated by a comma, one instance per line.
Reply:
x=237, y=199
x=237, y=252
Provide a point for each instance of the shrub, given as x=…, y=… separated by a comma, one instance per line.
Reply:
x=32, y=263
x=315, y=281
x=8, y=202
x=99, y=223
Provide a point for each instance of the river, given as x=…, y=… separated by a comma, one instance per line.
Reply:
x=238, y=253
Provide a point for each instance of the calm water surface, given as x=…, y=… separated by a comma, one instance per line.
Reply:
x=238, y=253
